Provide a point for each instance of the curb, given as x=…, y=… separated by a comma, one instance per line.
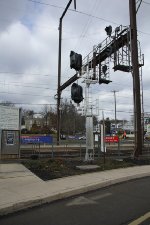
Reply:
x=39, y=200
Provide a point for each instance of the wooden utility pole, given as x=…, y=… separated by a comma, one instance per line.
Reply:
x=136, y=80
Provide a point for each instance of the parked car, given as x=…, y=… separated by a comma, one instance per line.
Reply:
x=82, y=138
x=63, y=137
x=147, y=136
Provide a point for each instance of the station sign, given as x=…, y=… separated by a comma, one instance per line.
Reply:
x=111, y=139
x=36, y=139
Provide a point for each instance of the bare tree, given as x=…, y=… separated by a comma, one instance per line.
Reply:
x=71, y=121
x=49, y=117
x=44, y=113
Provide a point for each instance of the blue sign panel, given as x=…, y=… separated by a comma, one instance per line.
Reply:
x=36, y=139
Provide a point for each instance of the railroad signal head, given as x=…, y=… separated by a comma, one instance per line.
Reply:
x=104, y=69
x=108, y=30
x=104, y=81
x=108, y=50
x=117, y=29
x=76, y=93
x=75, y=61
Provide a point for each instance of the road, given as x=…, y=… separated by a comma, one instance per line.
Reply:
x=115, y=205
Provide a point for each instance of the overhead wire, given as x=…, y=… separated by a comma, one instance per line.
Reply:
x=78, y=12
x=84, y=30
x=25, y=103
x=148, y=3
x=62, y=7
x=53, y=104
x=138, y=5
x=30, y=94
x=75, y=11
x=22, y=85
x=81, y=12
x=20, y=73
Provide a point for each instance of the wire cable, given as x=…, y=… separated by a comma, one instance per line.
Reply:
x=75, y=11
x=146, y=2
x=27, y=74
x=15, y=93
x=138, y=6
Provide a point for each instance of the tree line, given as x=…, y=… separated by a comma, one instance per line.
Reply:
x=72, y=121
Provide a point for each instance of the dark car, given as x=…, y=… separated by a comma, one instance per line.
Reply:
x=63, y=137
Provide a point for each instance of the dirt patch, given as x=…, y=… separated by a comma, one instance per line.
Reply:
x=48, y=169
x=52, y=169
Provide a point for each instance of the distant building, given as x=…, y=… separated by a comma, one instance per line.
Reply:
x=146, y=121
x=37, y=119
x=123, y=125
x=128, y=126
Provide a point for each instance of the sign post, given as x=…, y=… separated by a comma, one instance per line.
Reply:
x=10, y=131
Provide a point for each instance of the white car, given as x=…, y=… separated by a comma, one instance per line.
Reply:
x=147, y=136
x=82, y=138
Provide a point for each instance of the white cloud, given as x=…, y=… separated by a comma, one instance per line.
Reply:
x=29, y=46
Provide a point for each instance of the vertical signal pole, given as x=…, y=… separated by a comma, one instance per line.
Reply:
x=136, y=79
x=59, y=81
x=115, y=109
x=59, y=69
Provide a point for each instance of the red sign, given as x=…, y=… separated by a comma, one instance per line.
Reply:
x=112, y=139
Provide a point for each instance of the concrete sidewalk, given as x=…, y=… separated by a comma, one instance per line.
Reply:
x=21, y=189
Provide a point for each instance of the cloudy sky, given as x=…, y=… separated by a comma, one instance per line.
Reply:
x=29, y=51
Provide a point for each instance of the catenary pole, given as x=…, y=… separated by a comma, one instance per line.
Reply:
x=59, y=70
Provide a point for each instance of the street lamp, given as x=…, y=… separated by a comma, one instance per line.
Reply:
x=59, y=69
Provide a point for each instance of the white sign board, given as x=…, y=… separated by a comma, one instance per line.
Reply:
x=148, y=128
x=89, y=133
x=9, y=118
x=96, y=137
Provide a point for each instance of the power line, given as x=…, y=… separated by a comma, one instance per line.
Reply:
x=80, y=12
x=53, y=104
x=86, y=27
x=138, y=5
x=118, y=111
x=119, y=96
x=146, y=2
x=15, y=93
x=25, y=103
x=31, y=23
x=19, y=73
x=46, y=4
x=76, y=11
x=30, y=86
x=143, y=32
x=20, y=85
